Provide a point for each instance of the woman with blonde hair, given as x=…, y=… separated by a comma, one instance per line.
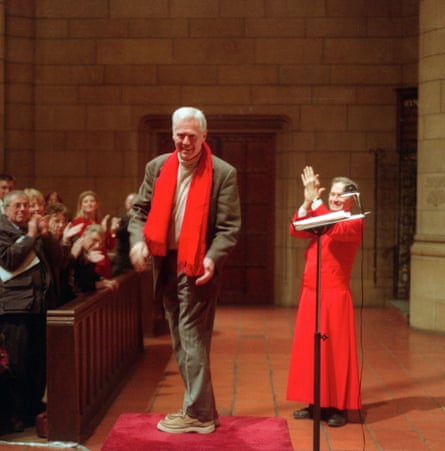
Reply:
x=88, y=213
x=36, y=201
x=88, y=206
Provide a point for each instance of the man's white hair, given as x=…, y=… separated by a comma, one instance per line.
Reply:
x=187, y=112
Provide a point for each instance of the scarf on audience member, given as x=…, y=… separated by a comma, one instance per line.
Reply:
x=192, y=238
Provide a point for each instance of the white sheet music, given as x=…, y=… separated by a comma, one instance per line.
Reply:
x=322, y=220
x=30, y=261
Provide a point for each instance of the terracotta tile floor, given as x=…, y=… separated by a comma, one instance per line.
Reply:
x=403, y=381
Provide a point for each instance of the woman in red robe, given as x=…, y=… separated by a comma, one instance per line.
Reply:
x=339, y=375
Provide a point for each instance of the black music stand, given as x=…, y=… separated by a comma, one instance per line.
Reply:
x=318, y=225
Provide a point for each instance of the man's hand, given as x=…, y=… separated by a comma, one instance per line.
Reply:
x=209, y=271
x=37, y=225
x=139, y=254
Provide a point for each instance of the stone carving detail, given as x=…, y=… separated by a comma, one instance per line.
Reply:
x=436, y=191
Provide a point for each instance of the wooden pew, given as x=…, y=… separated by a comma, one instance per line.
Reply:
x=92, y=342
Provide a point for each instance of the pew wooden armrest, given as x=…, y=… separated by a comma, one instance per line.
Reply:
x=92, y=342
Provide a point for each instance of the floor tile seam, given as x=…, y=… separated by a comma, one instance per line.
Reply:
x=396, y=359
x=235, y=364
x=417, y=430
x=161, y=384
x=378, y=444
x=267, y=339
x=414, y=382
x=393, y=399
x=371, y=434
x=407, y=419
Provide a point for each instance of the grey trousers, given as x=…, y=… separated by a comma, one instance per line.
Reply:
x=190, y=312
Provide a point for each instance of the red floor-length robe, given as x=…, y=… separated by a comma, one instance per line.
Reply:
x=339, y=376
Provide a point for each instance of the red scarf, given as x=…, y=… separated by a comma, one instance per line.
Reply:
x=192, y=239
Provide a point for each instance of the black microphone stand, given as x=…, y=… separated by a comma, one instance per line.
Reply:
x=318, y=336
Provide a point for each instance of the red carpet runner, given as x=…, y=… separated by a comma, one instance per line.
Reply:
x=137, y=432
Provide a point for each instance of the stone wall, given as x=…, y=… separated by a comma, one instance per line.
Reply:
x=80, y=76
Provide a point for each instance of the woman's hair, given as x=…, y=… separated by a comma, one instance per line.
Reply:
x=48, y=196
x=82, y=195
x=187, y=112
x=54, y=209
x=34, y=194
x=350, y=185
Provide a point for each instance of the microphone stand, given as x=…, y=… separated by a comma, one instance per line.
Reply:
x=318, y=336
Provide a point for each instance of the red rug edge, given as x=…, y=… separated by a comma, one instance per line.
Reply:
x=138, y=432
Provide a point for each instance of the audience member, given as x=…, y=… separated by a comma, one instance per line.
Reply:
x=88, y=213
x=87, y=251
x=57, y=215
x=7, y=183
x=53, y=197
x=121, y=260
x=36, y=201
x=61, y=232
x=26, y=291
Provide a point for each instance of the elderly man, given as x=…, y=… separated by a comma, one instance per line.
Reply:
x=25, y=289
x=187, y=216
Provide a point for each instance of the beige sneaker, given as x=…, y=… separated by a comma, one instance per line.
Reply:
x=178, y=424
x=171, y=416
x=180, y=413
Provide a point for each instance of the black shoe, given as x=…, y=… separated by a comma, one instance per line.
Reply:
x=337, y=418
x=304, y=414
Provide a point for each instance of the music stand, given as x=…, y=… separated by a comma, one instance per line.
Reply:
x=318, y=225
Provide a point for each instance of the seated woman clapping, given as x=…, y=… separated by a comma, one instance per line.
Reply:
x=89, y=213
x=87, y=253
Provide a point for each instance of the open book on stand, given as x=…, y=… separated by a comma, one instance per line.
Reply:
x=322, y=220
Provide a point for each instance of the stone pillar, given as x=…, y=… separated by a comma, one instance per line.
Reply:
x=427, y=293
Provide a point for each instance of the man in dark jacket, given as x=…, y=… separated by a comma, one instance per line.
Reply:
x=121, y=260
x=25, y=290
x=187, y=217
